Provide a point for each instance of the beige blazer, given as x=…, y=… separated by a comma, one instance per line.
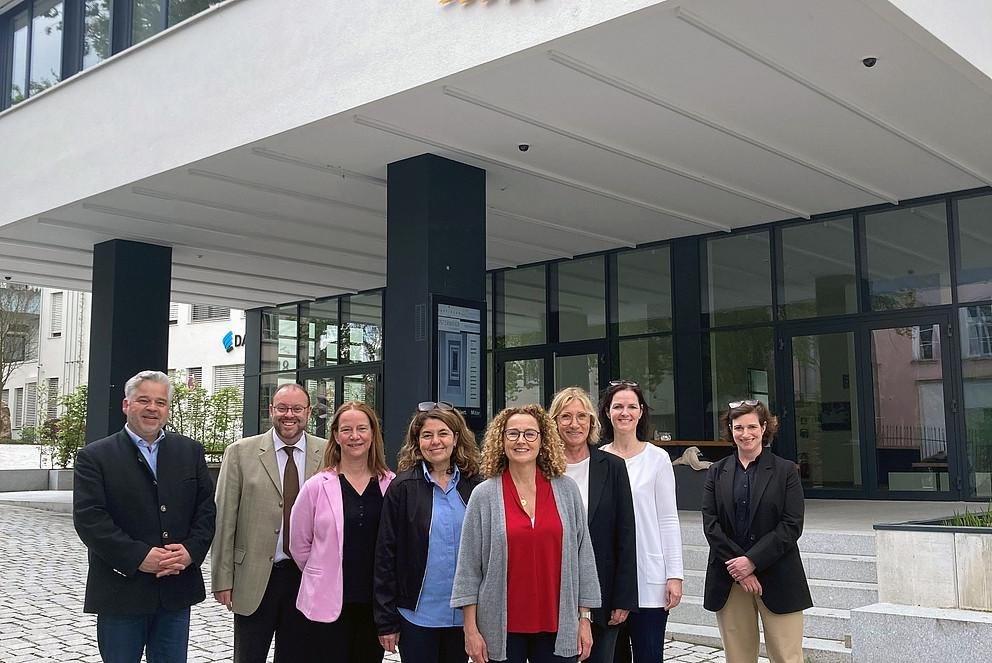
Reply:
x=249, y=513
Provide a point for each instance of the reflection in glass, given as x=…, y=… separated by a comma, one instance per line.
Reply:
x=361, y=328
x=650, y=363
x=46, y=45
x=321, y=392
x=910, y=433
x=521, y=313
x=825, y=411
x=96, y=31
x=976, y=369
x=360, y=388
x=146, y=19
x=320, y=329
x=818, y=276
x=19, y=78
x=279, y=339
x=578, y=371
x=523, y=382
x=180, y=10
x=737, y=279
x=644, y=291
x=908, y=263
x=268, y=384
x=582, y=299
x=740, y=365
x=975, y=248
x=490, y=327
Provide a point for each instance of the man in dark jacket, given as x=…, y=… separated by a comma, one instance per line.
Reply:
x=143, y=504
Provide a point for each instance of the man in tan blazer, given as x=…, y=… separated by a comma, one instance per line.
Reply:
x=252, y=571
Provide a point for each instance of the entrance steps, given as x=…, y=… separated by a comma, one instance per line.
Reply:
x=840, y=568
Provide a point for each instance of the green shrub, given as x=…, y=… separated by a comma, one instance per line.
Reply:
x=29, y=435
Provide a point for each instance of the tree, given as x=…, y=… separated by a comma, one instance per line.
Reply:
x=20, y=306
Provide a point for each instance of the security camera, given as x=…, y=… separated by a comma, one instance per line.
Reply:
x=6, y=278
x=869, y=62
x=523, y=147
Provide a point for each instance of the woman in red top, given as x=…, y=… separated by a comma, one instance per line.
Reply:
x=526, y=575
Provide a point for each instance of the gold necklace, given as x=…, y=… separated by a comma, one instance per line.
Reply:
x=523, y=502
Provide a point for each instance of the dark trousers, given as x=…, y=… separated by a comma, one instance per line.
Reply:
x=352, y=638
x=646, y=630
x=276, y=615
x=420, y=644
x=604, y=640
x=534, y=647
x=163, y=637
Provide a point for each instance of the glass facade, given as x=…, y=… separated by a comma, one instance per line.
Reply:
x=908, y=261
x=818, y=273
x=850, y=327
x=50, y=40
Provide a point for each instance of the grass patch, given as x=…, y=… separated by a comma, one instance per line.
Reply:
x=972, y=518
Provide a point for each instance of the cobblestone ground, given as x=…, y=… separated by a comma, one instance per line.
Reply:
x=42, y=577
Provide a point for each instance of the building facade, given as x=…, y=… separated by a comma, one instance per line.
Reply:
x=200, y=353
x=775, y=199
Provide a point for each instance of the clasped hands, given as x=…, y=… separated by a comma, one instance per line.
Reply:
x=741, y=569
x=168, y=560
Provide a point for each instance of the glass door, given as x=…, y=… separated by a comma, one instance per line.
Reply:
x=824, y=422
x=911, y=449
x=534, y=377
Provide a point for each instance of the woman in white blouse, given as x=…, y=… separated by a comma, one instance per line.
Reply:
x=623, y=414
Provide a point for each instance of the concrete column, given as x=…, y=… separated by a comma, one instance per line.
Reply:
x=129, y=328
x=436, y=247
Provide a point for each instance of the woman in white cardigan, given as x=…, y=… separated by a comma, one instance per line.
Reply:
x=623, y=413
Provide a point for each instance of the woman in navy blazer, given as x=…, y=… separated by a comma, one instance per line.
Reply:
x=753, y=518
x=605, y=489
x=332, y=532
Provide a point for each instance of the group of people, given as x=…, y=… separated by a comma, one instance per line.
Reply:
x=543, y=545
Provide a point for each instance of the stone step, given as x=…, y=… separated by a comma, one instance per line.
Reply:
x=828, y=566
x=822, y=566
x=826, y=593
x=815, y=650
x=823, y=623
x=813, y=541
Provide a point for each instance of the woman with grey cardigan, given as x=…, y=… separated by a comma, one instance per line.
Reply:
x=526, y=574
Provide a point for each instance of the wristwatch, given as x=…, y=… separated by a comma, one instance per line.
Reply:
x=586, y=614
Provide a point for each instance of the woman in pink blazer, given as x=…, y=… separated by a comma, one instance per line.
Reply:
x=333, y=530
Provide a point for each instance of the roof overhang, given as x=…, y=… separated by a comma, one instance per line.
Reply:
x=267, y=174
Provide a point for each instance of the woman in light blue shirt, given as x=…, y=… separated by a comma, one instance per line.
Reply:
x=421, y=526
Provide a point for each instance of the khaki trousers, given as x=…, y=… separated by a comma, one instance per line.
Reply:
x=738, y=623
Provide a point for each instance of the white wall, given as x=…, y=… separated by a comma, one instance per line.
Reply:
x=249, y=69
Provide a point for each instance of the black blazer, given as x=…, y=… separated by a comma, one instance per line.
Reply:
x=121, y=512
x=776, y=524
x=401, y=548
x=611, y=529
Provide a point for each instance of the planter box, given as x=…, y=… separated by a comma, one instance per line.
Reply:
x=936, y=566
x=934, y=592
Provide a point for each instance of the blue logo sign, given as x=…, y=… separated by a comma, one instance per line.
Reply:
x=232, y=340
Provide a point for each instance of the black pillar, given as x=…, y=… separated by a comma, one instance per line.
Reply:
x=253, y=366
x=435, y=248
x=129, y=327
x=690, y=390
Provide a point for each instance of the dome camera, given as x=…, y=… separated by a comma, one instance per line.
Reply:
x=523, y=147
x=869, y=61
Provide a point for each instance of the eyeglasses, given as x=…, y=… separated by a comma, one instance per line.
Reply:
x=567, y=418
x=512, y=434
x=736, y=404
x=622, y=383
x=427, y=406
x=283, y=409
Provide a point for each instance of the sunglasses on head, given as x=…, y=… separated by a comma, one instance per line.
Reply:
x=427, y=406
x=735, y=404
x=622, y=383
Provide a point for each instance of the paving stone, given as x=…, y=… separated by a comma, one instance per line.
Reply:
x=41, y=601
